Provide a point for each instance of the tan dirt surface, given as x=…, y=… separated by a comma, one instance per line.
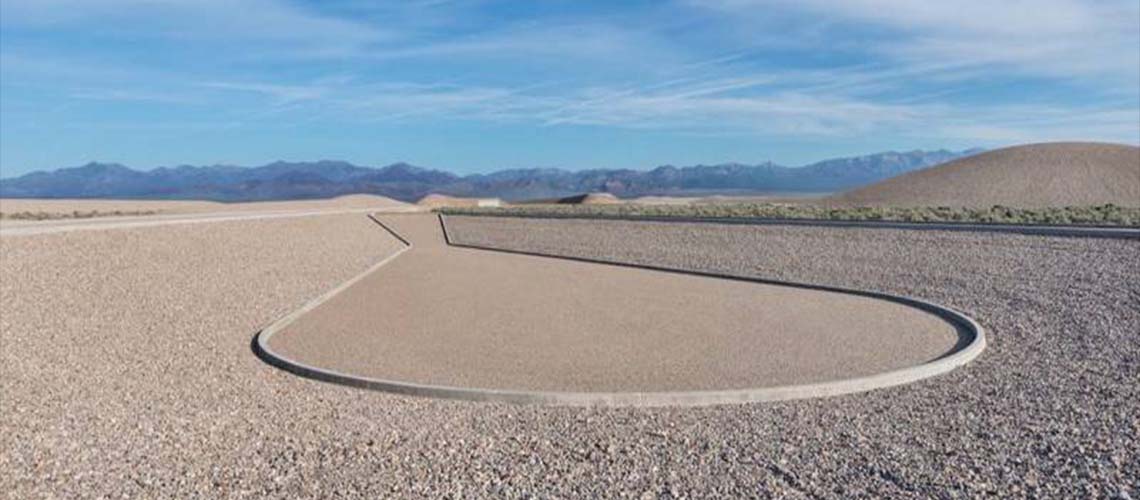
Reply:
x=1031, y=176
x=182, y=213
x=441, y=200
x=67, y=207
x=449, y=316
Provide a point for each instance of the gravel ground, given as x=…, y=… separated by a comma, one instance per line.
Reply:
x=125, y=371
x=1051, y=408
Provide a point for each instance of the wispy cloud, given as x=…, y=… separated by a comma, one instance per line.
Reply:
x=770, y=114
x=573, y=50
x=272, y=23
x=1018, y=124
x=1057, y=38
x=132, y=95
x=281, y=94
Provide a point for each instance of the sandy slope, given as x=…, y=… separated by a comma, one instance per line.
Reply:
x=442, y=200
x=1030, y=176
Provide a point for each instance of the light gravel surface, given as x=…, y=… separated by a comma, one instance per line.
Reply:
x=126, y=372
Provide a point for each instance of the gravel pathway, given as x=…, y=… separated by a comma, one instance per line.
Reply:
x=125, y=371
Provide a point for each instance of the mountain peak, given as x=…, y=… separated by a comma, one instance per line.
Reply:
x=326, y=178
x=403, y=167
x=94, y=166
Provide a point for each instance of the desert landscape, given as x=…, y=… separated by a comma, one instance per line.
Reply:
x=1027, y=184
x=669, y=250
x=137, y=363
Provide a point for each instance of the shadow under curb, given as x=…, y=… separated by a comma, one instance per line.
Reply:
x=1071, y=231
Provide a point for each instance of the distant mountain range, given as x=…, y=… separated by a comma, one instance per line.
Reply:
x=323, y=179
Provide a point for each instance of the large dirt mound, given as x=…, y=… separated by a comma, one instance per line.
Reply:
x=1030, y=176
x=590, y=199
x=363, y=200
x=345, y=201
x=441, y=200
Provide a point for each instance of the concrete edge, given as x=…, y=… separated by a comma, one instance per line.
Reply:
x=261, y=340
x=970, y=345
x=1090, y=231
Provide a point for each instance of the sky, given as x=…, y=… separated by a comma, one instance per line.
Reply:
x=474, y=86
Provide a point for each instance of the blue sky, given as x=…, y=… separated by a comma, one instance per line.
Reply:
x=479, y=85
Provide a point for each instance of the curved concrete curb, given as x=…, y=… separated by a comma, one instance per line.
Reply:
x=971, y=343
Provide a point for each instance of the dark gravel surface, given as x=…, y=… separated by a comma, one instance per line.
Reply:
x=1052, y=408
x=126, y=372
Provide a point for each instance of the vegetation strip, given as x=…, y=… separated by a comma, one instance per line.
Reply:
x=1108, y=215
x=711, y=214
x=74, y=214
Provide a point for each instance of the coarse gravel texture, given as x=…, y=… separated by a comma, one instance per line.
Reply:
x=1052, y=408
x=126, y=371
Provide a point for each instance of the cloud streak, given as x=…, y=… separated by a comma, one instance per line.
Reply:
x=1056, y=38
x=237, y=24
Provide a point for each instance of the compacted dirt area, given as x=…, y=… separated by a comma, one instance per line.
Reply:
x=56, y=216
x=126, y=370
x=468, y=318
x=16, y=211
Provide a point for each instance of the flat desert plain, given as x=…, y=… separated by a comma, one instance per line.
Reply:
x=126, y=369
x=52, y=209
x=31, y=216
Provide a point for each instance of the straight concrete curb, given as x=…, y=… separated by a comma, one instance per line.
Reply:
x=1033, y=230
x=971, y=343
